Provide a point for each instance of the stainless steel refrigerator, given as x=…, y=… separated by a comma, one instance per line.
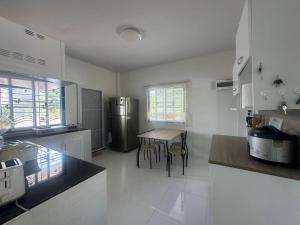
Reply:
x=123, y=123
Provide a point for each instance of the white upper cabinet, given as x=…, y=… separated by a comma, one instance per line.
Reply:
x=236, y=81
x=242, y=39
x=242, y=42
x=25, y=51
x=270, y=38
x=276, y=45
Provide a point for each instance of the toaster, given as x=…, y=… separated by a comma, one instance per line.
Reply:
x=12, y=182
x=270, y=144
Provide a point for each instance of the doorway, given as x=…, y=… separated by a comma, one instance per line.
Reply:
x=92, y=116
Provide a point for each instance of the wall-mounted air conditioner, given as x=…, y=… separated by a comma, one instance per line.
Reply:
x=224, y=84
x=25, y=51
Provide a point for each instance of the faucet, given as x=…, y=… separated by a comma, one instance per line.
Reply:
x=283, y=107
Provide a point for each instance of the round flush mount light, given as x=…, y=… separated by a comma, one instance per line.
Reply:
x=130, y=33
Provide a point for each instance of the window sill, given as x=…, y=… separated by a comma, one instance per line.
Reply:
x=169, y=122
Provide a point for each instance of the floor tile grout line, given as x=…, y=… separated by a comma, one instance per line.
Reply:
x=166, y=215
x=149, y=219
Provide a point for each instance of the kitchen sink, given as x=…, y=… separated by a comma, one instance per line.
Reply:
x=48, y=130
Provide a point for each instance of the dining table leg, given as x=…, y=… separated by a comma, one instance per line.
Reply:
x=168, y=159
x=138, y=154
x=159, y=152
x=166, y=150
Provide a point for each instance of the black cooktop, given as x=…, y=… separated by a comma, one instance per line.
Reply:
x=47, y=175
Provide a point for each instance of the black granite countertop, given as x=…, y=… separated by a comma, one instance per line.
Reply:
x=232, y=152
x=25, y=135
x=47, y=174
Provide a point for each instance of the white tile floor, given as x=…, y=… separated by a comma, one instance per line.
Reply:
x=148, y=197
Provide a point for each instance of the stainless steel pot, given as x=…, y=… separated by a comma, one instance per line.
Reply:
x=271, y=144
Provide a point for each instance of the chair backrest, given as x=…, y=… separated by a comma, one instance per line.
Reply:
x=183, y=139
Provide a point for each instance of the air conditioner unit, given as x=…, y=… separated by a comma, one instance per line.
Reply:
x=224, y=84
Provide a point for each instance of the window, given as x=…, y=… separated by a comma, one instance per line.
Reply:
x=167, y=103
x=31, y=103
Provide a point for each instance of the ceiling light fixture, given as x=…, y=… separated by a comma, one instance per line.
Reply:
x=130, y=33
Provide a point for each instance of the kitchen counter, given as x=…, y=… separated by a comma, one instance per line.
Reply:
x=47, y=174
x=25, y=135
x=232, y=152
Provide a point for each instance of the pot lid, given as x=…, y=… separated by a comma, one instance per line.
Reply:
x=270, y=132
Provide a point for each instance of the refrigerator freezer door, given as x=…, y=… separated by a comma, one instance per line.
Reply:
x=129, y=104
x=117, y=106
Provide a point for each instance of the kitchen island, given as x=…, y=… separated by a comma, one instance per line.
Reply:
x=60, y=189
x=250, y=192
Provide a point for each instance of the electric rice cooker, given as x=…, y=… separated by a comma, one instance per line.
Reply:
x=270, y=144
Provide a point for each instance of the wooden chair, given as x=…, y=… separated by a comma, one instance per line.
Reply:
x=179, y=148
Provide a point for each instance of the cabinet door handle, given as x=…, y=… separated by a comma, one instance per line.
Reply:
x=240, y=60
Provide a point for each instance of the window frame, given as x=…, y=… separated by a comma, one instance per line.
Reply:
x=165, y=86
x=33, y=89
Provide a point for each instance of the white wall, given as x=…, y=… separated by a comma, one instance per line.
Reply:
x=210, y=110
x=88, y=76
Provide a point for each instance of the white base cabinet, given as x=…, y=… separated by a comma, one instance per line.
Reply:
x=240, y=197
x=85, y=203
x=76, y=144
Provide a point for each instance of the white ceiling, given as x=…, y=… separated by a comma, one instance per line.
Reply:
x=175, y=29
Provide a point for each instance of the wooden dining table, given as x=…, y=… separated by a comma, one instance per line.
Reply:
x=163, y=134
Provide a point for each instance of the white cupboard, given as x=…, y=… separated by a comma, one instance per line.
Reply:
x=276, y=46
x=76, y=144
x=243, y=38
x=268, y=36
x=242, y=42
x=241, y=197
x=85, y=203
x=23, y=219
x=25, y=51
x=235, y=81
